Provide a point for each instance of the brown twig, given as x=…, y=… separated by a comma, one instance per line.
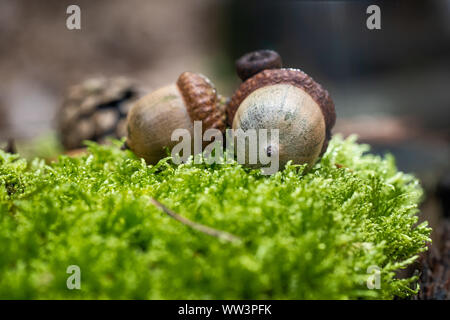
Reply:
x=196, y=226
x=434, y=279
x=11, y=146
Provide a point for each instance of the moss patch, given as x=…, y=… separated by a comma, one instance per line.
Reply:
x=305, y=235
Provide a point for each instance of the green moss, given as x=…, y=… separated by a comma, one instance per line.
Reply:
x=305, y=236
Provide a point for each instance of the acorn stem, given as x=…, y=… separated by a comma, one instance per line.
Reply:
x=256, y=61
x=11, y=146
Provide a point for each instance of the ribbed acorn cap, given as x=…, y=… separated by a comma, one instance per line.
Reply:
x=202, y=102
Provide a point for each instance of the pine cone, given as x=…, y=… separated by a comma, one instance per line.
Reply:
x=96, y=109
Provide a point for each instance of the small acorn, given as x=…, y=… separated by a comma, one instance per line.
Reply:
x=289, y=100
x=153, y=118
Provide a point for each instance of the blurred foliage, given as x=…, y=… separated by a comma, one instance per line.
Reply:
x=45, y=146
x=306, y=235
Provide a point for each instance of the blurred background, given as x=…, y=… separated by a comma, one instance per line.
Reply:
x=391, y=87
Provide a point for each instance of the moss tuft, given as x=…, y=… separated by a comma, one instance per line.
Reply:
x=305, y=235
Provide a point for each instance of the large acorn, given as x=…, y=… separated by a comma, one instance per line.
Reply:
x=152, y=119
x=289, y=100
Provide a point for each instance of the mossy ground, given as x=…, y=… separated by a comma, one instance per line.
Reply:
x=305, y=235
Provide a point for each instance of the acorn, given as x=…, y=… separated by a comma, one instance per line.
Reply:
x=96, y=109
x=152, y=119
x=289, y=100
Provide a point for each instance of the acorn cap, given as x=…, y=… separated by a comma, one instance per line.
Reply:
x=254, y=62
x=293, y=77
x=202, y=101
